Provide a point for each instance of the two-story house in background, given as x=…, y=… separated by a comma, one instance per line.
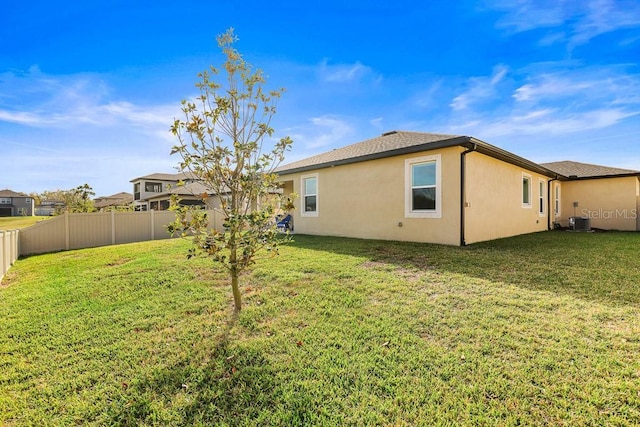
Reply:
x=153, y=192
x=15, y=204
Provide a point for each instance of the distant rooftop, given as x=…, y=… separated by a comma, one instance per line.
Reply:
x=166, y=176
x=118, y=199
x=9, y=193
x=585, y=170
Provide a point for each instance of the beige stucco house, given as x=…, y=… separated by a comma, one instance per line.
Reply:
x=609, y=197
x=451, y=189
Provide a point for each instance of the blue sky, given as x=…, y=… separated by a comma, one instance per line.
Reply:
x=88, y=90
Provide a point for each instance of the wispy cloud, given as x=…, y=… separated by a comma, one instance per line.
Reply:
x=524, y=15
x=603, y=16
x=22, y=118
x=549, y=103
x=581, y=20
x=38, y=100
x=479, y=88
x=546, y=122
x=321, y=132
x=346, y=73
x=582, y=87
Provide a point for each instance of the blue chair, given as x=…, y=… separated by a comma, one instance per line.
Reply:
x=285, y=224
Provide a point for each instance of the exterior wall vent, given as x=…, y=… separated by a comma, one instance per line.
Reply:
x=577, y=223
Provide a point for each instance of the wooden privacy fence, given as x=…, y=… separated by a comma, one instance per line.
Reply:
x=9, y=249
x=86, y=230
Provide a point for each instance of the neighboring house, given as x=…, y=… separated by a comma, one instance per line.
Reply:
x=450, y=189
x=15, y=204
x=50, y=207
x=118, y=200
x=149, y=186
x=193, y=194
x=189, y=190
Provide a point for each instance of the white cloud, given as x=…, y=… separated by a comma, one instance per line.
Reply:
x=584, y=19
x=346, y=73
x=321, y=133
x=38, y=100
x=552, y=86
x=21, y=117
x=603, y=16
x=595, y=86
x=549, y=122
x=377, y=122
x=479, y=88
x=550, y=103
x=524, y=15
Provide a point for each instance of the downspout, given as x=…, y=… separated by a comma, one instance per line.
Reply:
x=549, y=204
x=463, y=156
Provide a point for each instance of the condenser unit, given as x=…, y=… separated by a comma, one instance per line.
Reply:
x=578, y=223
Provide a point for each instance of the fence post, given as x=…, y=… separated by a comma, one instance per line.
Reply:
x=13, y=245
x=113, y=227
x=66, y=230
x=153, y=225
x=7, y=250
x=2, y=255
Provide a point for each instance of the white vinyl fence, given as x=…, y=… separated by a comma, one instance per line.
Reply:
x=86, y=230
x=9, y=249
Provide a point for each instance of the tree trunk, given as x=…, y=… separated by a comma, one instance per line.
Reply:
x=237, y=298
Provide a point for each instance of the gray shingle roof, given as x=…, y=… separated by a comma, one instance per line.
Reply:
x=401, y=142
x=9, y=193
x=118, y=199
x=385, y=145
x=585, y=170
x=166, y=176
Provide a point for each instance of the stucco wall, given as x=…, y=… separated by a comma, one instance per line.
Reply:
x=494, y=207
x=610, y=203
x=367, y=200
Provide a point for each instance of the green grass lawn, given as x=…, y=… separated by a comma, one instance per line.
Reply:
x=542, y=329
x=18, y=222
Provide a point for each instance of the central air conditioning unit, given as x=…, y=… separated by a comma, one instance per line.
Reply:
x=577, y=223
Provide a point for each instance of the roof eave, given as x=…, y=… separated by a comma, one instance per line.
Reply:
x=462, y=141
x=506, y=156
x=621, y=175
x=427, y=146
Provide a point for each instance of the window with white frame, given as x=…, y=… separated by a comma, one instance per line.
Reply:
x=423, y=187
x=5, y=200
x=556, y=202
x=309, y=195
x=541, y=197
x=153, y=187
x=526, y=190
